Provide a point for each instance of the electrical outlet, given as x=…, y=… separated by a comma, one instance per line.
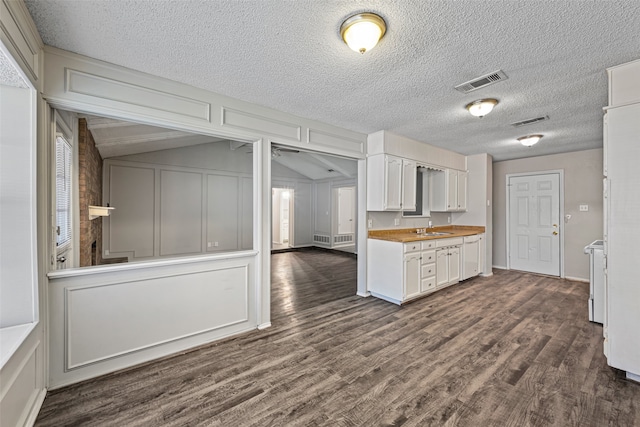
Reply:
x=369, y=223
x=396, y=221
x=208, y=244
x=449, y=219
x=215, y=244
x=584, y=208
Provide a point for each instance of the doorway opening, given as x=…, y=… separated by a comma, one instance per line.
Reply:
x=313, y=229
x=282, y=215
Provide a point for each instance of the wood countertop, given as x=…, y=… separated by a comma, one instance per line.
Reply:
x=404, y=235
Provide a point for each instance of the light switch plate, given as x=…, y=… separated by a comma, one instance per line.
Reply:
x=584, y=208
x=396, y=221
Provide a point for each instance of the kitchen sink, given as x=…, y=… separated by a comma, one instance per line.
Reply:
x=435, y=233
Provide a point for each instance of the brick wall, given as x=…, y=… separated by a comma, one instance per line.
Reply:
x=90, y=193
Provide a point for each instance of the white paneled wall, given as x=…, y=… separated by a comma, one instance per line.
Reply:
x=163, y=211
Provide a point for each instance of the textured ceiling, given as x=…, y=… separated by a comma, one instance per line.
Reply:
x=288, y=55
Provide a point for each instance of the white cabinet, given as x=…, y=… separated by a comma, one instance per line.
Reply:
x=411, y=275
x=398, y=272
x=471, y=256
x=449, y=191
x=409, y=180
x=448, y=261
x=391, y=183
x=622, y=234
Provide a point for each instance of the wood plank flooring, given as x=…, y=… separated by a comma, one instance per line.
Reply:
x=514, y=349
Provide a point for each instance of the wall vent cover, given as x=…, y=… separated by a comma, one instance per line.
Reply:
x=530, y=121
x=482, y=81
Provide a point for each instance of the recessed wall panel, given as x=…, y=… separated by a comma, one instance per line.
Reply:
x=105, y=321
x=223, y=195
x=180, y=212
x=113, y=90
x=131, y=193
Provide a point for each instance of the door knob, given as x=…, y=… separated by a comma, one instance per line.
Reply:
x=555, y=233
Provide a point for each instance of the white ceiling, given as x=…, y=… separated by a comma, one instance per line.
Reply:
x=288, y=55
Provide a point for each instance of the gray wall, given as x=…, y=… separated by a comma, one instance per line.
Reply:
x=582, y=185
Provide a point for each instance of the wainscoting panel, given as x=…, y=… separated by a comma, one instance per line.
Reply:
x=243, y=120
x=328, y=139
x=114, y=90
x=180, y=212
x=124, y=315
x=131, y=190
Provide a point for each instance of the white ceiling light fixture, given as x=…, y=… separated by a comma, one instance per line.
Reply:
x=529, y=140
x=481, y=107
x=363, y=31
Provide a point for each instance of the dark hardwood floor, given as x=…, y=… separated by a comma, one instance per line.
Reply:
x=514, y=349
x=308, y=278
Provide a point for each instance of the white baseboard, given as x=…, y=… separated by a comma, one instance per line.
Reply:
x=499, y=267
x=577, y=279
x=633, y=377
x=264, y=326
x=486, y=274
x=35, y=409
x=364, y=295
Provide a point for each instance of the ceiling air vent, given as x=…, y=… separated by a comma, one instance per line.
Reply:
x=530, y=121
x=480, y=82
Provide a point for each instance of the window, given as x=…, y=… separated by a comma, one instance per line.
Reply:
x=63, y=191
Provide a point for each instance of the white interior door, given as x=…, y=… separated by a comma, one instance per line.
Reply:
x=346, y=210
x=534, y=223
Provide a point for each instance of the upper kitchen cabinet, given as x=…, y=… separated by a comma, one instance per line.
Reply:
x=391, y=183
x=449, y=191
x=623, y=84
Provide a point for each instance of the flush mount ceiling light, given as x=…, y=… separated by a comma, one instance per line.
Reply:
x=481, y=107
x=363, y=31
x=529, y=140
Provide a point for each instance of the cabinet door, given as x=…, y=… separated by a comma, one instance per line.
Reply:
x=462, y=191
x=411, y=275
x=393, y=183
x=454, y=265
x=452, y=189
x=442, y=267
x=409, y=176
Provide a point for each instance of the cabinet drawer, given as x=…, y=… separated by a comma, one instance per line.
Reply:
x=428, y=284
x=411, y=247
x=449, y=242
x=428, y=244
x=428, y=257
x=428, y=271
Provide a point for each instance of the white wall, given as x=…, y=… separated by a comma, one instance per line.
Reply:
x=23, y=348
x=582, y=185
x=18, y=278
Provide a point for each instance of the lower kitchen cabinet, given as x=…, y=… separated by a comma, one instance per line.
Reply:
x=398, y=272
x=448, y=262
x=412, y=279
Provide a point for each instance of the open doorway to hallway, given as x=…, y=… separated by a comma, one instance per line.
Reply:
x=313, y=229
